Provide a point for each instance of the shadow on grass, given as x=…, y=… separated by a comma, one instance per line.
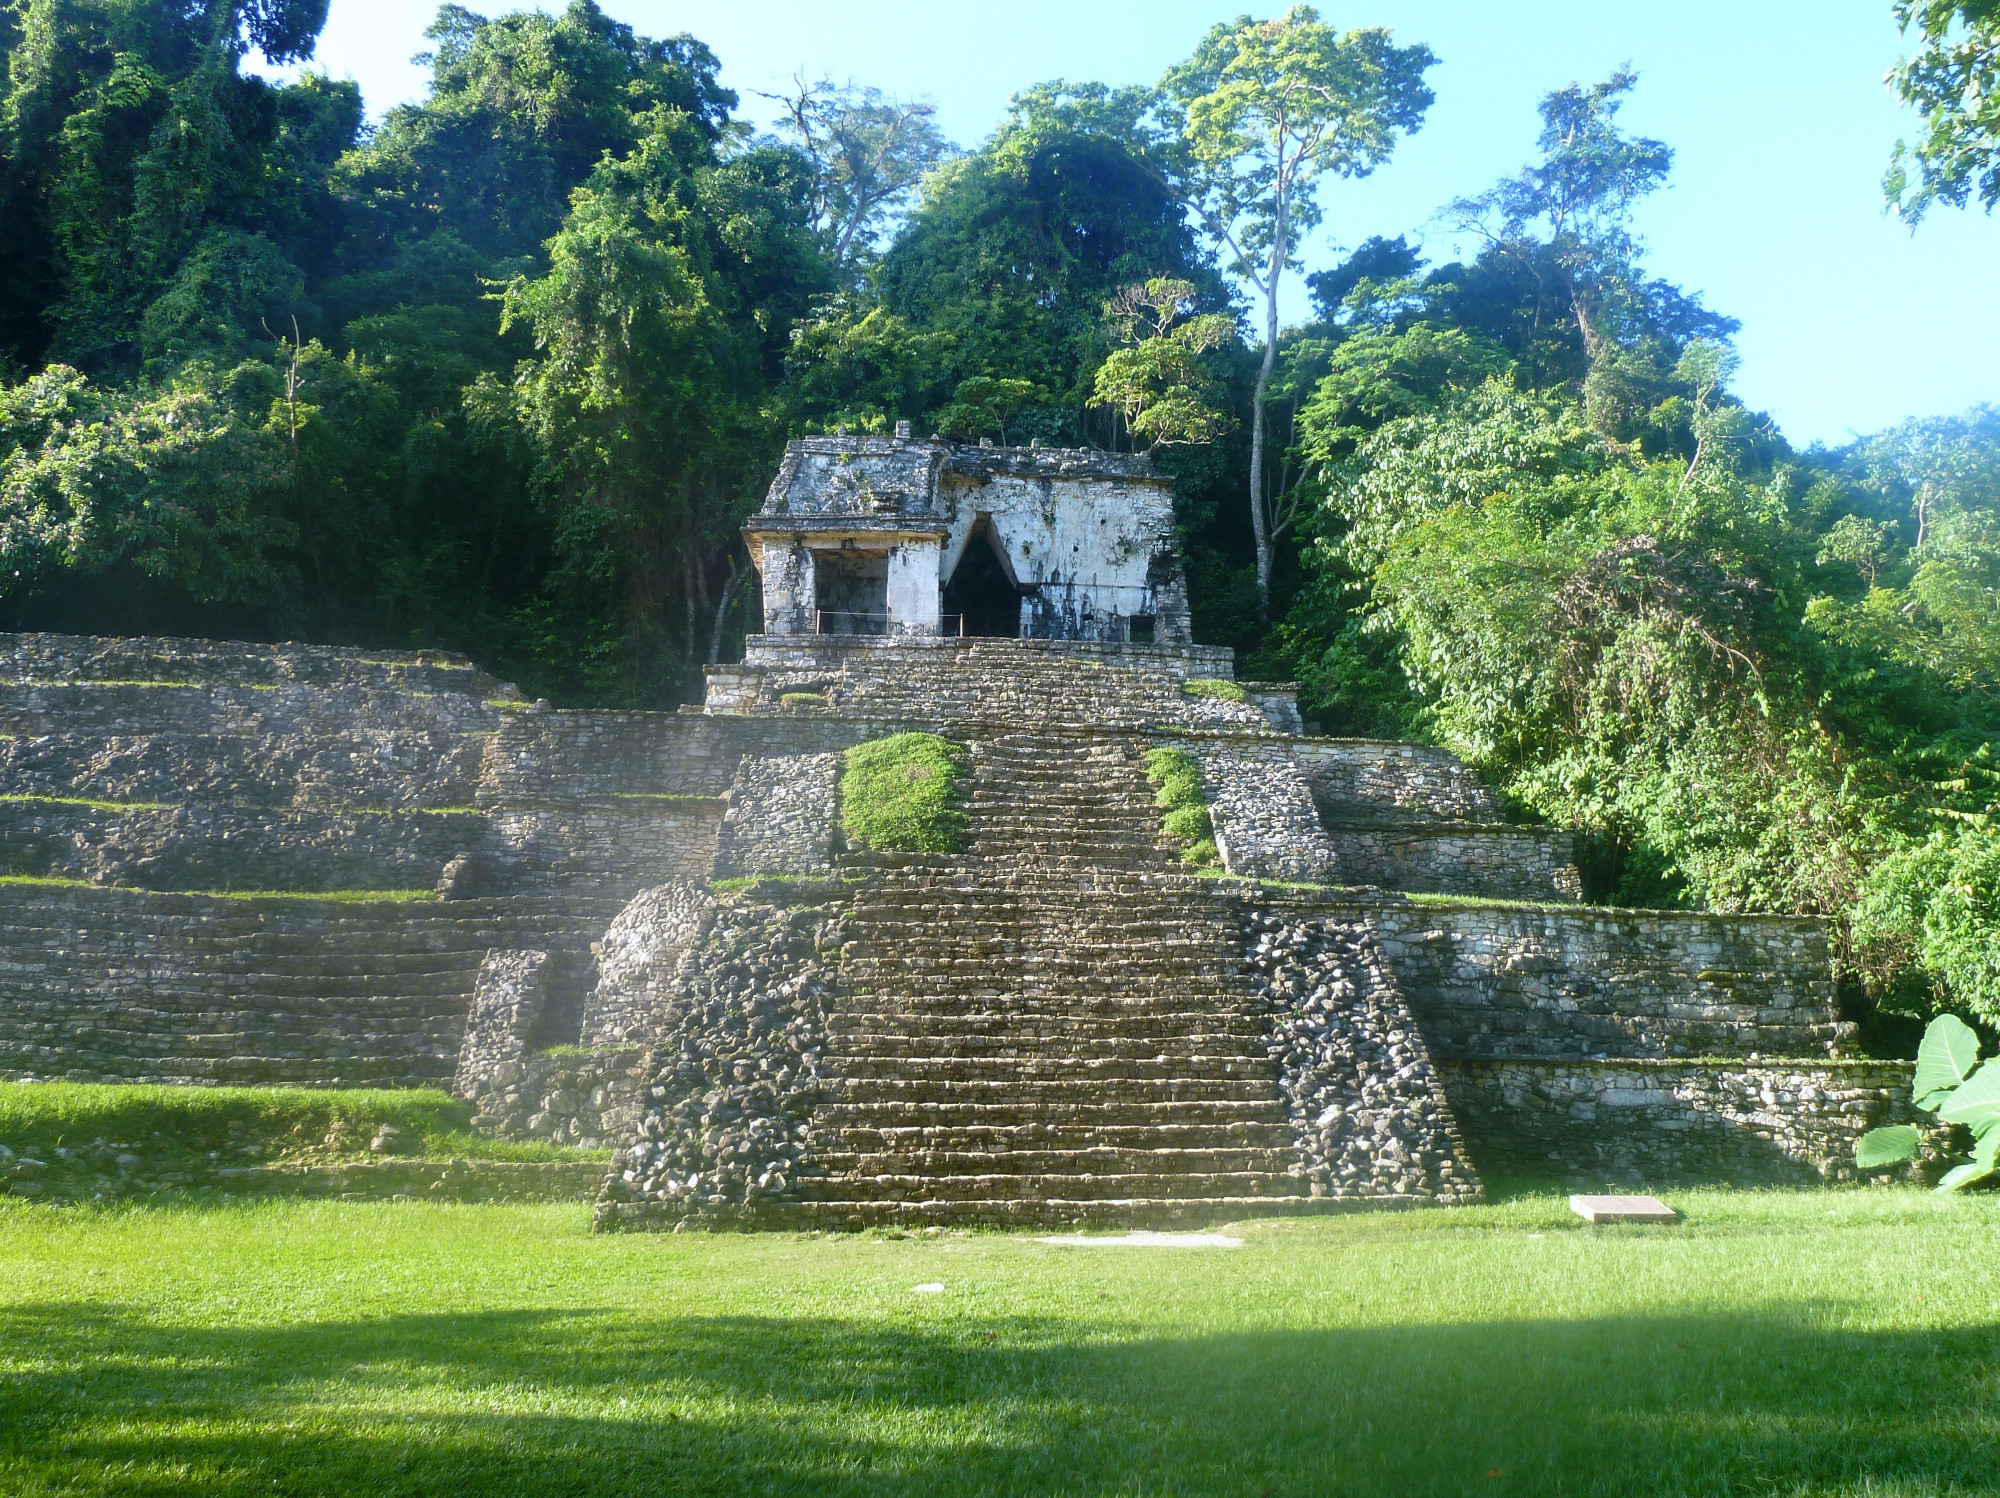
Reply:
x=608, y=1404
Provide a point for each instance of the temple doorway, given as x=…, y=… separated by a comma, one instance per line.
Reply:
x=982, y=589
x=852, y=593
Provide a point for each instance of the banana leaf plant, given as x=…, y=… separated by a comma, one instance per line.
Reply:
x=1951, y=1083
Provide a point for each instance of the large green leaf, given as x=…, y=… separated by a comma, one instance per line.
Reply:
x=1890, y=1146
x=1986, y=1152
x=1946, y=1058
x=1961, y=1176
x=1977, y=1102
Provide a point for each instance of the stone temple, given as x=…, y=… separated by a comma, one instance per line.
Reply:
x=648, y=932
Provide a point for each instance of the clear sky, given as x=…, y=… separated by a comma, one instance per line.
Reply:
x=1775, y=108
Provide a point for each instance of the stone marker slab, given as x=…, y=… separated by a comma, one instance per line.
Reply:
x=1622, y=1209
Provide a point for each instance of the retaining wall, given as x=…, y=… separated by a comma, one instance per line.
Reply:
x=1552, y=983
x=127, y=986
x=1614, y=1122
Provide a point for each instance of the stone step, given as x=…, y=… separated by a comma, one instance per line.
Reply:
x=958, y=1112
x=1039, y=1070
x=1147, y=1211
x=1038, y=1006
x=1205, y=1162
x=1035, y=1093
x=1252, y=1134
x=1139, y=1042
x=1063, y=1186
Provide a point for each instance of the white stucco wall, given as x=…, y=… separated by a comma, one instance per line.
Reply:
x=913, y=588
x=1088, y=544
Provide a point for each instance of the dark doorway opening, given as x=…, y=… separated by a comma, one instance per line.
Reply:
x=852, y=593
x=981, y=590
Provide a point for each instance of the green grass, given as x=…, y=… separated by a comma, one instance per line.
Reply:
x=1176, y=778
x=1782, y=1343
x=107, y=681
x=1214, y=689
x=340, y=896
x=1444, y=901
x=17, y=799
x=284, y=1121
x=901, y=794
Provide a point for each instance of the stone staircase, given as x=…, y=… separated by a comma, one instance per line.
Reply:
x=1054, y=1028
x=1065, y=800
x=1030, y=1043
x=1028, y=682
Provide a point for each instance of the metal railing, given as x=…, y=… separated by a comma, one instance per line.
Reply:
x=875, y=624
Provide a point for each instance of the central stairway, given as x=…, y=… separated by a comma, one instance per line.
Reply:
x=1055, y=1027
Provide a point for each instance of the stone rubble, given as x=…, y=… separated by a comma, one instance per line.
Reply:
x=1368, y=1116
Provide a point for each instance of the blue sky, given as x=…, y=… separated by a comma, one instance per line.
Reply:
x=1775, y=108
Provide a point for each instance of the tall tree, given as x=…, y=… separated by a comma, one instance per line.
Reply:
x=152, y=196
x=1267, y=109
x=1953, y=80
x=1568, y=217
x=1006, y=264
x=869, y=151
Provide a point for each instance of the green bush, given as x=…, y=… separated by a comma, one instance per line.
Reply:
x=1213, y=687
x=1176, y=778
x=901, y=794
x=1936, y=906
x=803, y=699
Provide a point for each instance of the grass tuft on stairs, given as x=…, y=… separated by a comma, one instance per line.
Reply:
x=902, y=794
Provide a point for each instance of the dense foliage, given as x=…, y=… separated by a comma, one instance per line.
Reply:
x=504, y=371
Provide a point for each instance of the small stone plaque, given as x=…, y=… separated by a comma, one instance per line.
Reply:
x=1622, y=1209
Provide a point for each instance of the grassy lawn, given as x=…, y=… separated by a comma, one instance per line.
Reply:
x=1778, y=1342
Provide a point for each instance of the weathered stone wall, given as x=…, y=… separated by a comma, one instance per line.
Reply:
x=1545, y=982
x=233, y=847
x=127, y=986
x=1369, y=1120
x=1021, y=683
x=1266, y=826
x=1354, y=815
x=782, y=816
x=614, y=848
x=508, y=998
x=639, y=964
x=560, y=759
x=1447, y=858
x=587, y=1098
x=1625, y=1121
x=1366, y=778
x=730, y=1082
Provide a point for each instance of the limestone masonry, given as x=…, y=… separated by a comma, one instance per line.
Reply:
x=234, y=863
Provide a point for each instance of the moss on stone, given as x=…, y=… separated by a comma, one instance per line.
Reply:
x=901, y=794
x=1176, y=778
x=1215, y=688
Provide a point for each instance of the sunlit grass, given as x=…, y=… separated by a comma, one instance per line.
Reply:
x=1774, y=1343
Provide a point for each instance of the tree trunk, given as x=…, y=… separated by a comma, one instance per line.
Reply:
x=736, y=576
x=1259, y=527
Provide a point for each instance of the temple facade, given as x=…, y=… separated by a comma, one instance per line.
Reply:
x=890, y=536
